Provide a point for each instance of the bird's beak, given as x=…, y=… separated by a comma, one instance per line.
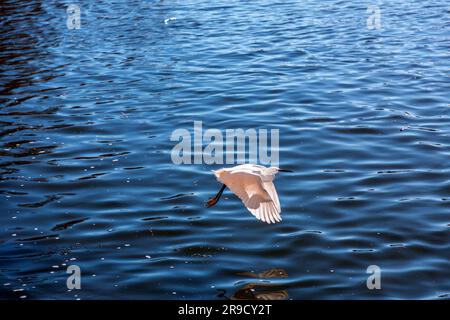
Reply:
x=284, y=170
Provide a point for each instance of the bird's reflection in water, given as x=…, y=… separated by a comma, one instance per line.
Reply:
x=262, y=290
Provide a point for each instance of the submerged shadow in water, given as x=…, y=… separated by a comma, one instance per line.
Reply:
x=263, y=290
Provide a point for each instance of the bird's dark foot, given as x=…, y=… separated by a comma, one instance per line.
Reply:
x=211, y=202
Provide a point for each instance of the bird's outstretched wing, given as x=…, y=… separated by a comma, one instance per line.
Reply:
x=259, y=197
x=270, y=188
x=266, y=212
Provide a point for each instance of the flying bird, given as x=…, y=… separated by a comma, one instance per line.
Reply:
x=253, y=184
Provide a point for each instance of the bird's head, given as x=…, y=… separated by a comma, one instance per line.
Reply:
x=219, y=173
x=276, y=170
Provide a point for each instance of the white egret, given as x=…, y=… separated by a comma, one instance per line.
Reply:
x=253, y=184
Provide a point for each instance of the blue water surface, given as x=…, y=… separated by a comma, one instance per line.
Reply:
x=87, y=179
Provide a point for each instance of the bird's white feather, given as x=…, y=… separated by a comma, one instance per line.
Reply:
x=266, y=212
x=270, y=188
x=253, y=185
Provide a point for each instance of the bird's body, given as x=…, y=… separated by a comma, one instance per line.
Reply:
x=253, y=184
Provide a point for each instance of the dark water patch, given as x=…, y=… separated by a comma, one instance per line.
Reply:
x=261, y=291
x=14, y=253
x=103, y=155
x=197, y=218
x=31, y=151
x=50, y=198
x=177, y=196
x=393, y=171
x=155, y=218
x=349, y=202
x=9, y=132
x=15, y=144
x=397, y=245
x=39, y=238
x=271, y=273
x=363, y=250
x=200, y=251
x=15, y=193
x=58, y=126
x=68, y=224
x=357, y=130
x=320, y=120
x=92, y=176
x=47, y=111
x=423, y=129
x=14, y=163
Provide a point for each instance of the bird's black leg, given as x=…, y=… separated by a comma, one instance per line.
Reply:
x=212, y=201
